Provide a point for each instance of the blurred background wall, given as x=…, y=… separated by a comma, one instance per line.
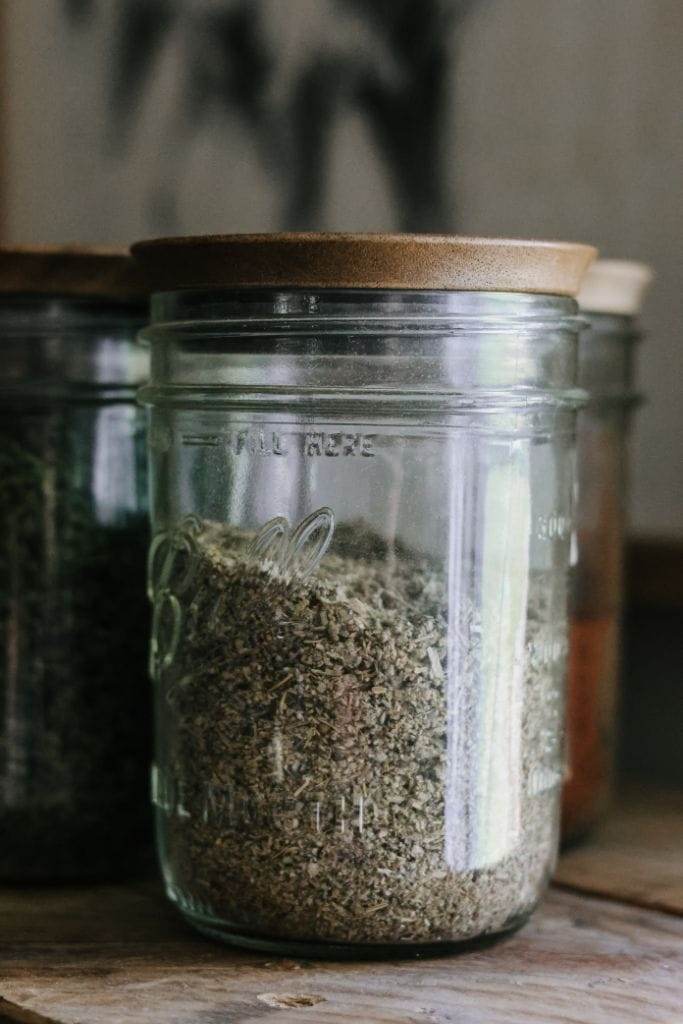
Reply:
x=545, y=118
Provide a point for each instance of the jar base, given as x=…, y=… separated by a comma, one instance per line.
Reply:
x=323, y=950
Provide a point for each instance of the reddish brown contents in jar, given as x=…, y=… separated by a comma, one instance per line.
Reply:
x=592, y=684
x=594, y=620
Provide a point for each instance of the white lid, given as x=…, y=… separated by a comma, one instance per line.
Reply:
x=615, y=286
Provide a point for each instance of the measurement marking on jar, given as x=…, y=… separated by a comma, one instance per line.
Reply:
x=547, y=648
x=553, y=526
x=542, y=778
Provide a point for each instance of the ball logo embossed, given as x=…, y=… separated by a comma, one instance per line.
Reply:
x=296, y=552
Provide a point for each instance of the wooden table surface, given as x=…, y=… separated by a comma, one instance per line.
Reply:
x=606, y=947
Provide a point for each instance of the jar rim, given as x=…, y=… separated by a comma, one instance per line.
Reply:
x=233, y=312
x=364, y=261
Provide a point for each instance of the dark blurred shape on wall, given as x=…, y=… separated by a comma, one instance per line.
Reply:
x=390, y=60
x=123, y=119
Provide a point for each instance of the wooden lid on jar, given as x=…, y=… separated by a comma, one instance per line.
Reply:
x=78, y=271
x=378, y=261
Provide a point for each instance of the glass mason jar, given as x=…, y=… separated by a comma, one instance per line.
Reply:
x=362, y=478
x=74, y=741
x=610, y=298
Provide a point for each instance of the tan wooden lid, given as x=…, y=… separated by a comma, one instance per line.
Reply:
x=439, y=262
x=70, y=270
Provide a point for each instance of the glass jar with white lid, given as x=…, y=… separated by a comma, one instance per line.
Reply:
x=610, y=300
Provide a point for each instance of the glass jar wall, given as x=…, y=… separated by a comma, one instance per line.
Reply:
x=73, y=619
x=606, y=360
x=361, y=506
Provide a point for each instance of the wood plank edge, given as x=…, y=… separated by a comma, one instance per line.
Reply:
x=626, y=900
x=15, y=1014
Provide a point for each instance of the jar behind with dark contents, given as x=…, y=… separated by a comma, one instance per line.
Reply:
x=610, y=298
x=74, y=732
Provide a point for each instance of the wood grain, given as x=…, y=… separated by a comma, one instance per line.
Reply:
x=637, y=855
x=113, y=955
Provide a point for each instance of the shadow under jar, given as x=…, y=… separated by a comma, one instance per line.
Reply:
x=610, y=300
x=74, y=737
x=361, y=506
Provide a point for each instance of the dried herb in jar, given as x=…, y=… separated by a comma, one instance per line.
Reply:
x=306, y=765
x=74, y=733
